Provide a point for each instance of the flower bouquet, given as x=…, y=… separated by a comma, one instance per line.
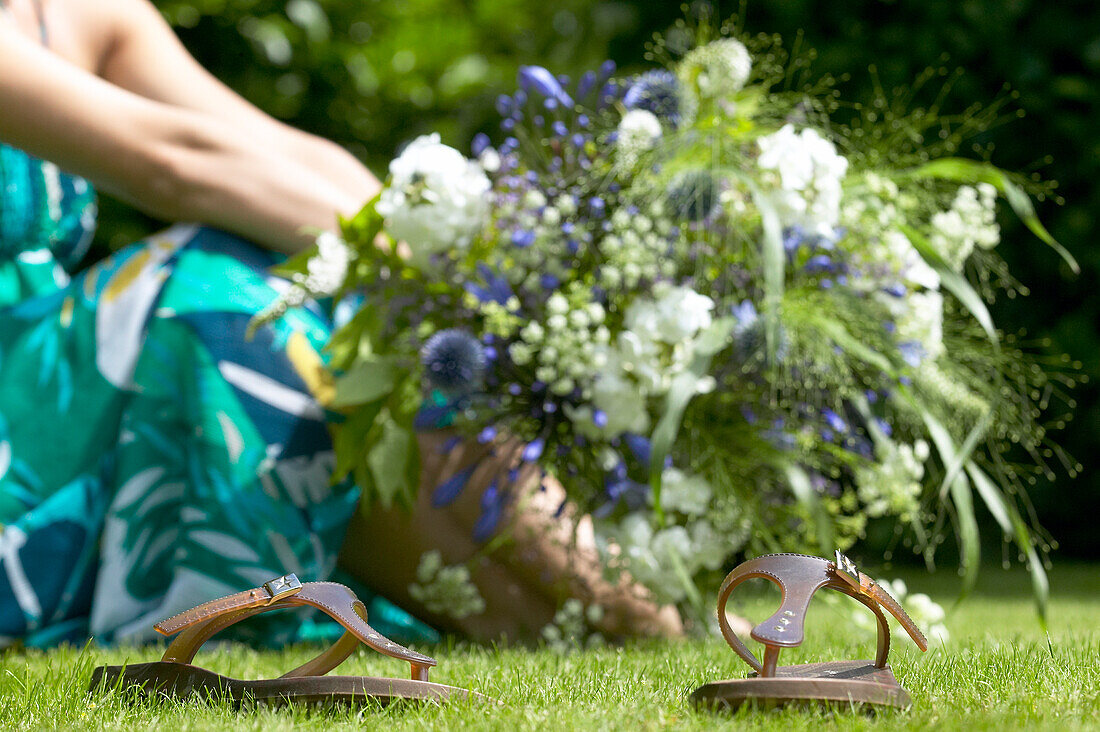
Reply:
x=725, y=322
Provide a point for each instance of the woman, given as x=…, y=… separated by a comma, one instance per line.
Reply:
x=151, y=457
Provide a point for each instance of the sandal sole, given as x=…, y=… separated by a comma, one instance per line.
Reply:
x=834, y=683
x=182, y=681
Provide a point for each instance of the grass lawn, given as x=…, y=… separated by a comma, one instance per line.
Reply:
x=998, y=671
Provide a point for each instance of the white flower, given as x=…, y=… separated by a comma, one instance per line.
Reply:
x=891, y=485
x=911, y=264
x=445, y=590
x=970, y=222
x=436, y=199
x=638, y=130
x=718, y=69
x=922, y=322
x=688, y=494
x=328, y=268
x=490, y=160
x=807, y=171
x=678, y=314
x=622, y=402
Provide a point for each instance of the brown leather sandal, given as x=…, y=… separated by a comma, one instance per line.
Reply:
x=175, y=677
x=848, y=682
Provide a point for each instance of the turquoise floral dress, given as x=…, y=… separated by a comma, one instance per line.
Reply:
x=151, y=457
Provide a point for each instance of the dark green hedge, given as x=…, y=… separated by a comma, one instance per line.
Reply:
x=373, y=73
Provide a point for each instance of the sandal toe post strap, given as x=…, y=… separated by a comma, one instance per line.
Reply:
x=798, y=577
x=201, y=623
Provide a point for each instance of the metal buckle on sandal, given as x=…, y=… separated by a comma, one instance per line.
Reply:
x=846, y=570
x=282, y=587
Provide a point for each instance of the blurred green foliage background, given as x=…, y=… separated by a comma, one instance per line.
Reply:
x=372, y=74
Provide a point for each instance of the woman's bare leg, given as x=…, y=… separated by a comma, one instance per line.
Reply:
x=549, y=555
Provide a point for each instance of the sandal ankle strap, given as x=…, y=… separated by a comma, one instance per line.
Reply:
x=201, y=623
x=799, y=576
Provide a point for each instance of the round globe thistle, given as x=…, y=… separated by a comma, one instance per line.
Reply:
x=750, y=337
x=693, y=196
x=454, y=361
x=657, y=92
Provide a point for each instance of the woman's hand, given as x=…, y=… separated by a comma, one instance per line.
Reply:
x=160, y=133
x=547, y=557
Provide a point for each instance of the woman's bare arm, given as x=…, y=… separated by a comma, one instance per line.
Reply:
x=142, y=54
x=174, y=163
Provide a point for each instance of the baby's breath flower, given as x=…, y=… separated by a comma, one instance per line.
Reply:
x=717, y=70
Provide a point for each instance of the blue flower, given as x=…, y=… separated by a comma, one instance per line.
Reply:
x=657, y=92
x=694, y=195
x=640, y=447
x=496, y=288
x=542, y=81
x=630, y=493
x=820, y=263
x=523, y=238
x=479, y=144
x=895, y=290
x=533, y=450
x=454, y=361
x=449, y=490
x=834, y=420
x=493, y=501
x=912, y=352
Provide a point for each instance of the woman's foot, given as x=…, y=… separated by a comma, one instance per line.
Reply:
x=547, y=556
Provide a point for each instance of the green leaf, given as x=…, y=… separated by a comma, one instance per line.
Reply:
x=367, y=381
x=807, y=496
x=955, y=283
x=961, y=458
x=1013, y=525
x=774, y=268
x=360, y=230
x=388, y=461
x=970, y=544
x=961, y=496
x=973, y=171
x=680, y=393
x=716, y=337
x=844, y=339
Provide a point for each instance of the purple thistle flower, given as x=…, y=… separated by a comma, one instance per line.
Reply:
x=454, y=361
x=694, y=195
x=657, y=92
